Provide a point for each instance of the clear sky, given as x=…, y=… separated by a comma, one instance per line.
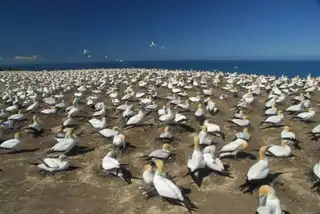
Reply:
x=59, y=30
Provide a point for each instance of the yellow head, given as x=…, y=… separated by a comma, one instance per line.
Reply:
x=35, y=119
x=199, y=105
x=166, y=129
x=284, y=142
x=70, y=132
x=266, y=190
x=246, y=130
x=280, y=112
x=246, y=117
x=166, y=146
x=196, y=141
x=204, y=128
x=148, y=167
x=287, y=128
x=160, y=166
x=17, y=135
x=311, y=109
x=262, y=152
x=116, y=128
x=244, y=145
x=123, y=137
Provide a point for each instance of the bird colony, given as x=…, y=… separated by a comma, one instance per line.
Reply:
x=173, y=141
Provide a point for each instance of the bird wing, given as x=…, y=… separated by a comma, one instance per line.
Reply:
x=160, y=153
x=263, y=210
x=9, y=144
x=232, y=146
x=110, y=163
x=257, y=171
x=50, y=162
x=167, y=188
x=63, y=144
x=108, y=132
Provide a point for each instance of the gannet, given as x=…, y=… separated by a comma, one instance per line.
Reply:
x=200, y=113
x=316, y=175
x=214, y=129
x=315, y=133
x=108, y=133
x=98, y=124
x=244, y=135
x=282, y=150
x=111, y=166
x=196, y=162
x=166, y=136
x=306, y=116
x=12, y=143
x=35, y=126
x=53, y=164
x=274, y=120
x=257, y=172
x=66, y=144
x=269, y=200
x=232, y=148
x=168, y=190
x=212, y=162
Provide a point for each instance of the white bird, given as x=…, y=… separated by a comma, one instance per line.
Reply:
x=259, y=170
x=111, y=165
x=163, y=153
x=244, y=122
x=167, y=189
x=316, y=175
x=136, y=119
x=306, y=116
x=54, y=164
x=35, y=126
x=162, y=111
x=49, y=111
x=119, y=141
x=212, y=162
x=108, y=133
x=98, y=124
x=232, y=148
x=269, y=200
x=17, y=117
x=274, y=120
x=65, y=144
x=12, y=143
x=196, y=162
x=282, y=150
x=148, y=174
x=166, y=135
x=203, y=136
x=244, y=135
x=152, y=44
x=315, y=133
x=100, y=113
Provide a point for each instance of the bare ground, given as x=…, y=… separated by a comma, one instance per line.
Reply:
x=23, y=189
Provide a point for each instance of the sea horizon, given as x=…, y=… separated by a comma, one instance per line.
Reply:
x=277, y=67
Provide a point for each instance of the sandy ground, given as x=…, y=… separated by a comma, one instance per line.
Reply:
x=23, y=189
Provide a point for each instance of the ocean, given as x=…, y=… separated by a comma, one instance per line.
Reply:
x=266, y=67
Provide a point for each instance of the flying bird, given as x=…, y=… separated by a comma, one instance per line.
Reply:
x=152, y=44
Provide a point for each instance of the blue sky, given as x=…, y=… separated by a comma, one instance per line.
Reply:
x=58, y=31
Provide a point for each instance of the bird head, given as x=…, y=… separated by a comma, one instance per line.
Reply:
x=165, y=146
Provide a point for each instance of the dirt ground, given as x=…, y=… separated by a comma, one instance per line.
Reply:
x=24, y=190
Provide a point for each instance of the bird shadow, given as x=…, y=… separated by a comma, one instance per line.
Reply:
x=23, y=151
x=253, y=185
x=70, y=169
x=79, y=150
x=241, y=155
